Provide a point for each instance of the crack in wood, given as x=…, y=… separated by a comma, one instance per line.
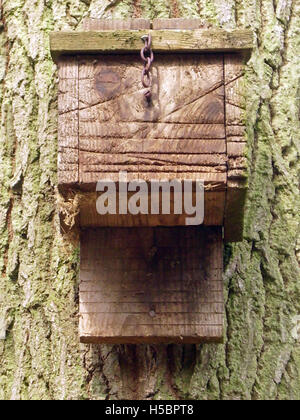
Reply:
x=212, y=89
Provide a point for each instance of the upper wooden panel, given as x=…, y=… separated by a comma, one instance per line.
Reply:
x=125, y=41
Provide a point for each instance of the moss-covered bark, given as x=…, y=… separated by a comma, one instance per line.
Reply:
x=40, y=356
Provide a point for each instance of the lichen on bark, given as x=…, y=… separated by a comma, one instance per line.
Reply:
x=40, y=356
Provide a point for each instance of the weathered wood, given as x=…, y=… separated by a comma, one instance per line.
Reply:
x=177, y=23
x=122, y=41
x=134, y=289
x=236, y=175
x=94, y=301
x=89, y=179
x=193, y=82
x=68, y=120
x=208, y=334
x=97, y=169
x=236, y=146
x=90, y=24
x=194, y=129
x=183, y=146
x=182, y=132
x=214, y=203
x=91, y=291
x=235, y=132
x=156, y=160
x=151, y=130
x=237, y=163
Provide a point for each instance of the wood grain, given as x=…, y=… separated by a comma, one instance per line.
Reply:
x=177, y=23
x=91, y=24
x=68, y=119
x=216, y=180
x=214, y=202
x=152, y=130
x=135, y=145
x=121, y=41
x=236, y=146
x=156, y=285
x=183, y=130
x=194, y=129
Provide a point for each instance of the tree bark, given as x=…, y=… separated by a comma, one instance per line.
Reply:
x=40, y=354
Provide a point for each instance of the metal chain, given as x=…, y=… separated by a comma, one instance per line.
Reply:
x=148, y=57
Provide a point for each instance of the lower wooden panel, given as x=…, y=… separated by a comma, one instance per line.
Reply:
x=151, y=285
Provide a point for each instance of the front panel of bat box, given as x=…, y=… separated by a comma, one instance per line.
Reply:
x=179, y=135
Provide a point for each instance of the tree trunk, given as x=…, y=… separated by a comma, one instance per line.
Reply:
x=40, y=354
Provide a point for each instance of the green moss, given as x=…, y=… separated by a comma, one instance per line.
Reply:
x=152, y=9
x=188, y=8
x=123, y=9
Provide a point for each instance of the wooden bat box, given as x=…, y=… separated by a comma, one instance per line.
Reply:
x=148, y=277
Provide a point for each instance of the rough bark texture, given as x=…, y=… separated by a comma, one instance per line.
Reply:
x=40, y=355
